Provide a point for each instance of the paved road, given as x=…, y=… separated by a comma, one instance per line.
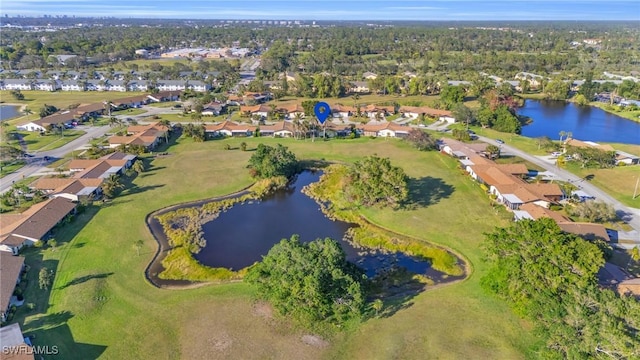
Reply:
x=38, y=164
x=630, y=215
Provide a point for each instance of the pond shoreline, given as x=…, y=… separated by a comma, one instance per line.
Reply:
x=157, y=232
x=155, y=267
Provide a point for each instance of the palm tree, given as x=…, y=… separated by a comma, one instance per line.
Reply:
x=167, y=124
x=113, y=121
x=111, y=185
x=562, y=133
x=138, y=166
x=377, y=305
x=355, y=99
x=26, y=111
x=569, y=135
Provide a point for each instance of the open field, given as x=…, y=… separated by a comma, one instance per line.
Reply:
x=618, y=182
x=37, y=142
x=101, y=305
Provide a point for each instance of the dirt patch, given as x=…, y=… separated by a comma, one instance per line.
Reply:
x=221, y=343
x=314, y=340
x=263, y=310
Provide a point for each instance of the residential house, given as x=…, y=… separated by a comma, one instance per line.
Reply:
x=130, y=102
x=533, y=79
x=17, y=84
x=116, y=85
x=342, y=111
x=532, y=211
x=588, y=231
x=359, y=87
x=162, y=96
x=69, y=188
x=46, y=85
x=171, y=85
x=372, y=110
x=368, y=75
x=14, y=345
x=34, y=224
x=387, y=129
x=213, y=109
x=72, y=85
x=199, y=86
x=42, y=124
x=139, y=85
x=288, y=75
x=85, y=112
x=414, y=112
x=279, y=129
x=261, y=110
x=626, y=158
x=462, y=150
x=96, y=85
x=228, y=128
x=148, y=136
x=11, y=268
x=292, y=110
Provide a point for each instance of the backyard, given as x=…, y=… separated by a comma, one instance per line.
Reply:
x=100, y=281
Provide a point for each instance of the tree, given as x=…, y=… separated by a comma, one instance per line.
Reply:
x=375, y=182
x=581, y=100
x=493, y=151
x=377, y=305
x=26, y=111
x=17, y=94
x=452, y=95
x=310, y=282
x=550, y=277
x=167, y=124
x=111, y=185
x=45, y=278
x=463, y=114
x=269, y=161
x=138, y=166
x=505, y=121
x=557, y=89
x=47, y=110
x=243, y=146
x=594, y=211
x=421, y=140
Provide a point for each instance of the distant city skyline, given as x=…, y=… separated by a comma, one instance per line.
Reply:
x=332, y=9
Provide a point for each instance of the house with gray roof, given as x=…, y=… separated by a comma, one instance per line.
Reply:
x=17, y=84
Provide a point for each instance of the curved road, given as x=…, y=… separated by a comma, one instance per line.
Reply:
x=628, y=214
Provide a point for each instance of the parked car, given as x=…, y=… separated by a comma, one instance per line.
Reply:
x=499, y=141
x=555, y=154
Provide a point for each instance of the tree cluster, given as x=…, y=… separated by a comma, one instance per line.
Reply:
x=311, y=282
x=268, y=161
x=594, y=211
x=375, y=182
x=592, y=157
x=421, y=140
x=549, y=277
x=196, y=132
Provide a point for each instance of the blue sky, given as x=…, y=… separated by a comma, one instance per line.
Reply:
x=334, y=9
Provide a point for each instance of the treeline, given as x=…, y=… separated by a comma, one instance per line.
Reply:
x=352, y=50
x=550, y=278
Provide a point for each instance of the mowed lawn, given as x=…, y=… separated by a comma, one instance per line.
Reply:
x=102, y=306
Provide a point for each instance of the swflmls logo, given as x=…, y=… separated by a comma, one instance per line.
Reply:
x=29, y=350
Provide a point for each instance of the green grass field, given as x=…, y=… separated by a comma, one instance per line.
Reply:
x=36, y=142
x=101, y=305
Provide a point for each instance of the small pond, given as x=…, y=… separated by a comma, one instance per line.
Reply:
x=242, y=235
x=9, y=112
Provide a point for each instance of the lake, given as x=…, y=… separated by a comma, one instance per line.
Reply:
x=9, y=112
x=585, y=122
x=244, y=234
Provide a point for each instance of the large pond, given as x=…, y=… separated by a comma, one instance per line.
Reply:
x=8, y=112
x=242, y=235
x=585, y=122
